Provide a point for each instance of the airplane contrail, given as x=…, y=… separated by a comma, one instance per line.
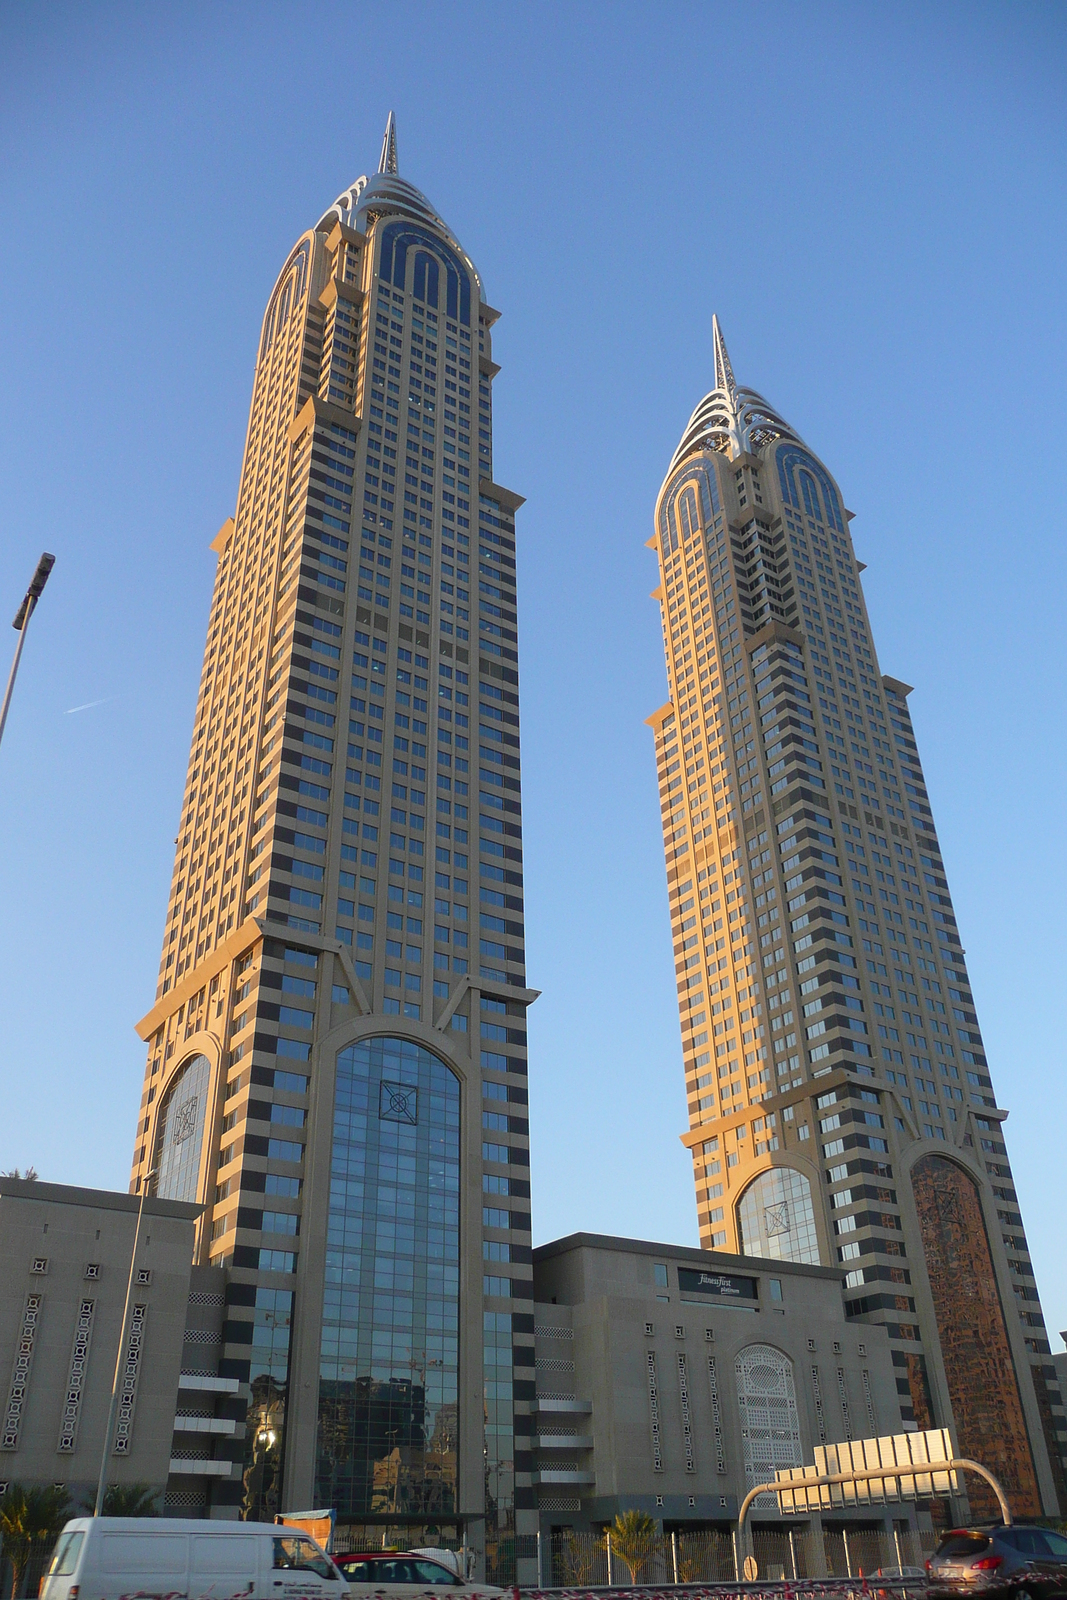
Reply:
x=89, y=704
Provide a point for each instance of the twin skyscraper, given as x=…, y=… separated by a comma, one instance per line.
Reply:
x=337, y=1065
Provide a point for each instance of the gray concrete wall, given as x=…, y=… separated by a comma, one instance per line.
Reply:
x=605, y=1293
x=66, y=1233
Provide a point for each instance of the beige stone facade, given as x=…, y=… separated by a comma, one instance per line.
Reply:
x=829, y=1035
x=346, y=902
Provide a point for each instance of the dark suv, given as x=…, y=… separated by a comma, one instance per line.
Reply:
x=997, y=1561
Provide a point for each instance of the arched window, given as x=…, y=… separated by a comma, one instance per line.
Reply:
x=770, y=1426
x=678, y=500
x=180, y=1134
x=388, y=1393
x=775, y=1218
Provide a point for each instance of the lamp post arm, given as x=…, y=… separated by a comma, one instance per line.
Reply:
x=9, y=691
x=20, y=624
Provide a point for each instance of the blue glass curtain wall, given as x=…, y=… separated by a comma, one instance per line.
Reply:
x=387, y=1439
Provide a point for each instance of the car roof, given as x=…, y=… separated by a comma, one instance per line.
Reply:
x=381, y=1555
x=156, y=1525
x=988, y=1527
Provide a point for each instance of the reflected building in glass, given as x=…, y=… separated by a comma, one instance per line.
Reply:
x=336, y=1059
x=841, y=1107
x=388, y=1389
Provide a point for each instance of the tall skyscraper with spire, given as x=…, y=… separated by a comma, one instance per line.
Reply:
x=841, y=1109
x=336, y=1055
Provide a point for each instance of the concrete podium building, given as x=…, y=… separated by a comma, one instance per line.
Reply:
x=64, y=1269
x=841, y=1104
x=672, y=1381
x=336, y=1061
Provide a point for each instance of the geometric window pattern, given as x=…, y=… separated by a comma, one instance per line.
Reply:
x=398, y=1103
x=79, y=1360
x=770, y=1428
x=131, y=1371
x=20, y=1373
x=776, y=1219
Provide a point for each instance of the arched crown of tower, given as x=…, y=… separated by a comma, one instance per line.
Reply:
x=730, y=419
x=386, y=193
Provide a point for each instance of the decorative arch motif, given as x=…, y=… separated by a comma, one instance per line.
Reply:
x=387, y=194
x=688, y=502
x=793, y=462
x=776, y=1218
x=180, y=1131
x=770, y=1424
x=388, y=1395
x=731, y=419
x=397, y=239
x=289, y=291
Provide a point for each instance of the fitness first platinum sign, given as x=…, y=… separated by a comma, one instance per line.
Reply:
x=721, y=1285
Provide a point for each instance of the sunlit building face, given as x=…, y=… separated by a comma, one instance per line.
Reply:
x=841, y=1108
x=337, y=1053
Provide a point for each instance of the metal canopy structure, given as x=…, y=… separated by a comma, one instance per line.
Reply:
x=870, y=1472
x=931, y=1448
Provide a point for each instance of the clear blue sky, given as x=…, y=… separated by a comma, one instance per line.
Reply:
x=871, y=197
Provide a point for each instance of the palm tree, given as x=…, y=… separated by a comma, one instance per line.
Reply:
x=635, y=1539
x=128, y=1500
x=578, y=1555
x=30, y=1518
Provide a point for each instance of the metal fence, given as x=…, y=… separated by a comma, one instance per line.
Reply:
x=39, y=1562
x=580, y=1560
x=874, y=1588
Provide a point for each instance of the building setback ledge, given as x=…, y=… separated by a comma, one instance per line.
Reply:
x=564, y=1477
x=205, y=1382
x=200, y=1468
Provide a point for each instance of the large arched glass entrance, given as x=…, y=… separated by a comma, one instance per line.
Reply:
x=387, y=1440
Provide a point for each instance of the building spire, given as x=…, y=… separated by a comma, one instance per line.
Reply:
x=730, y=419
x=387, y=163
x=724, y=372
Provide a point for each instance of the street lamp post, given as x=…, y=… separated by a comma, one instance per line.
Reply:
x=109, y=1431
x=21, y=622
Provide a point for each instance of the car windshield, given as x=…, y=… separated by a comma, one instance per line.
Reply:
x=302, y=1554
x=433, y=1572
x=955, y=1546
x=66, y=1557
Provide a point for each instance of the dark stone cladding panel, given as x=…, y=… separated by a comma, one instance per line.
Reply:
x=983, y=1384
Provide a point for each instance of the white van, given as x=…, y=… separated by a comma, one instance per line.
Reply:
x=165, y=1558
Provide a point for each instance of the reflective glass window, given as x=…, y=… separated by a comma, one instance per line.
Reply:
x=776, y=1218
x=388, y=1379
x=181, y=1131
